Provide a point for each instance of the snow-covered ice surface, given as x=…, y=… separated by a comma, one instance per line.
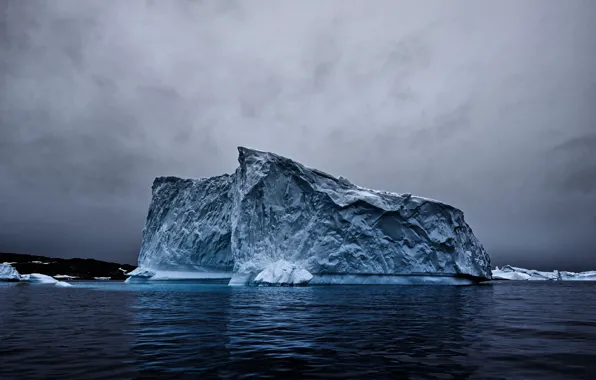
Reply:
x=62, y=284
x=102, y=278
x=283, y=273
x=189, y=275
x=273, y=208
x=8, y=273
x=520, y=274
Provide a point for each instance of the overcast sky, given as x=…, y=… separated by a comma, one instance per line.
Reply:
x=487, y=105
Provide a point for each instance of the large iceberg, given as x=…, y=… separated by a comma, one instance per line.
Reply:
x=8, y=273
x=273, y=208
x=509, y=272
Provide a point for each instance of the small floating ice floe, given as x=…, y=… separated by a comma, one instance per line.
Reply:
x=8, y=273
x=64, y=276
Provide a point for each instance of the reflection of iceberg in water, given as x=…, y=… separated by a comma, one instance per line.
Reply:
x=220, y=331
x=486, y=332
x=365, y=331
x=268, y=319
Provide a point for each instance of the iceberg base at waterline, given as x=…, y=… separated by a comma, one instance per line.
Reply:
x=283, y=273
x=374, y=279
x=141, y=275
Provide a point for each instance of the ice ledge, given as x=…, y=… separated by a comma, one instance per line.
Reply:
x=144, y=275
x=248, y=279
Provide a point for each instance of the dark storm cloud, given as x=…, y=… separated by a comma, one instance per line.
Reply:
x=579, y=157
x=486, y=105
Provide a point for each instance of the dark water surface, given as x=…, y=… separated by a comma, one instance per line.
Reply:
x=112, y=330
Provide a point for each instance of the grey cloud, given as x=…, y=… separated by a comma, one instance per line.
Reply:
x=577, y=158
x=583, y=180
x=485, y=105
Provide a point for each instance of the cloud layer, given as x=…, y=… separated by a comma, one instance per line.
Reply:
x=488, y=106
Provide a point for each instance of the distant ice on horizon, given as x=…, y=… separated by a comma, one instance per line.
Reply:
x=509, y=272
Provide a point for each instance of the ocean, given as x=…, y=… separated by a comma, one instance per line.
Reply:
x=111, y=330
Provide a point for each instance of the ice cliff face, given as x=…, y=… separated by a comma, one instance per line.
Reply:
x=188, y=226
x=273, y=208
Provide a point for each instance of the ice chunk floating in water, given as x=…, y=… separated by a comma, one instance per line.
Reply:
x=39, y=278
x=520, y=274
x=282, y=273
x=273, y=210
x=8, y=273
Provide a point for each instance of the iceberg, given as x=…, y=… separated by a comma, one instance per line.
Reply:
x=416, y=279
x=577, y=276
x=8, y=273
x=38, y=278
x=274, y=213
x=509, y=272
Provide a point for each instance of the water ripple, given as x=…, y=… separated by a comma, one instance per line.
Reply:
x=111, y=330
